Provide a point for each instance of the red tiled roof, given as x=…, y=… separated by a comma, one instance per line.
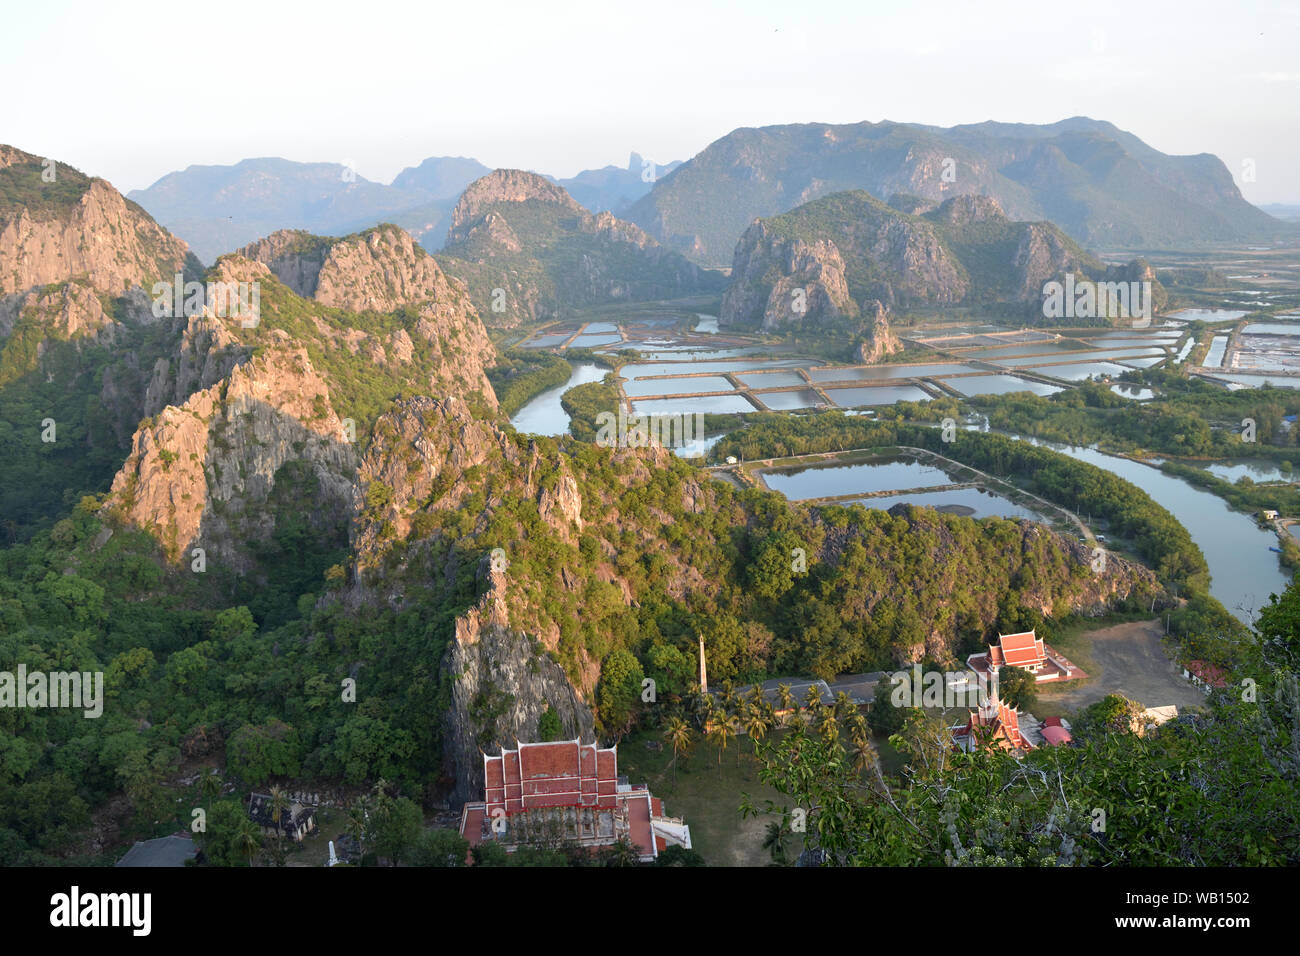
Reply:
x=1210, y=673
x=1002, y=726
x=1020, y=649
x=1056, y=736
x=556, y=774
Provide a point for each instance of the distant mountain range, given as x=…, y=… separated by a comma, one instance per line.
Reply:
x=218, y=209
x=1287, y=211
x=1103, y=186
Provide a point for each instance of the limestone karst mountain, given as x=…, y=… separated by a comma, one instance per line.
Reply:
x=1103, y=186
x=523, y=235
x=77, y=333
x=58, y=224
x=302, y=387
x=845, y=260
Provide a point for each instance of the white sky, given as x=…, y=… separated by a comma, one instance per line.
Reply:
x=135, y=89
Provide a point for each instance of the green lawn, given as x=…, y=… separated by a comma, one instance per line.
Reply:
x=706, y=796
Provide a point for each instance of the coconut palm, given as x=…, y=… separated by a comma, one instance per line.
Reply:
x=828, y=725
x=755, y=725
x=358, y=813
x=864, y=754
x=678, y=736
x=728, y=696
x=844, y=707
x=787, y=701
x=248, y=840
x=858, y=730
x=721, y=729
x=279, y=804
x=813, y=700
x=774, y=842
x=210, y=787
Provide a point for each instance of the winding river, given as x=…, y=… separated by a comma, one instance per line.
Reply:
x=543, y=414
x=1243, y=571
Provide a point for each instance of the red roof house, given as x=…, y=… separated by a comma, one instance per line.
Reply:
x=1056, y=735
x=1206, y=675
x=1028, y=652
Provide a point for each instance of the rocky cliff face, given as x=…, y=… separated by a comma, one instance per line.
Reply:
x=199, y=474
x=383, y=270
x=878, y=338
x=502, y=683
x=506, y=186
x=76, y=226
x=835, y=257
x=523, y=235
x=798, y=269
x=417, y=459
x=379, y=270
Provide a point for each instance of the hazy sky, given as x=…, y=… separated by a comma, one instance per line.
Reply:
x=132, y=90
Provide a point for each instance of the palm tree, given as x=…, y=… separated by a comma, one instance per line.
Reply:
x=248, y=840
x=813, y=700
x=858, y=730
x=828, y=725
x=774, y=841
x=864, y=754
x=721, y=729
x=357, y=817
x=787, y=701
x=755, y=725
x=678, y=736
x=210, y=787
x=279, y=804
x=844, y=707
x=728, y=696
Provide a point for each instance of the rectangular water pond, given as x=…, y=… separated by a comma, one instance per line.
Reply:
x=642, y=369
x=548, y=341
x=1271, y=328
x=1214, y=358
x=825, y=481
x=1255, y=381
x=876, y=395
x=677, y=386
x=590, y=341
x=1205, y=315
x=998, y=385
x=1077, y=373
x=1141, y=362
x=1092, y=355
x=788, y=401
x=771, y=379
x=709, y=405
x=858, y=373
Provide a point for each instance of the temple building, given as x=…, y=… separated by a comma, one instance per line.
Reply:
x=567, y=792
x=994, y=724
x=1028, y=652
